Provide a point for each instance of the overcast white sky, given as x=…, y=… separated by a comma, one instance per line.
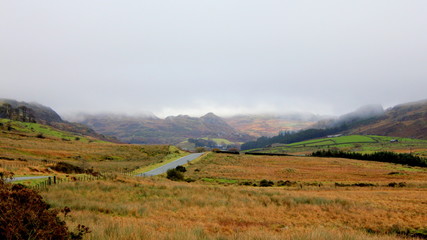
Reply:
x=225, y=56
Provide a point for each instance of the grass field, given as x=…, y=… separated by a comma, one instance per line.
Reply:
x=217, y=206
x=220, y=141
x=359, y=143
x=326, y=198
x=158, y=209
x=22, y=147
x=326, y=171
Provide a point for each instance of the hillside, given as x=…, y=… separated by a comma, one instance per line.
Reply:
x=37, y=113
x=171, y=130
x=271, y=124
x=405, y=120
x=23, y=145
x=353, y=143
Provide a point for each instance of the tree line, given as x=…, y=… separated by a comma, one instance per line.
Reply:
x=293, y=137
x=391, y=157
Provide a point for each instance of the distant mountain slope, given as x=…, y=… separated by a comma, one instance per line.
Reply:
x=27, y=112
x=269, y=124
x=353, y=119
x=405, y=120
x=37, y=113
x=171, y=130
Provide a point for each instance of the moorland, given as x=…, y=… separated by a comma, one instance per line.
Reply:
x=221, y=195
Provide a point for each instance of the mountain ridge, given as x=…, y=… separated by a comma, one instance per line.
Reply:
x=38, y=113
x=404, y=120
x=170, y=130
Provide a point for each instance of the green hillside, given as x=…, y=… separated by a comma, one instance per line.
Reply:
x=41, y=131
x=27, y=144
x=359, y=143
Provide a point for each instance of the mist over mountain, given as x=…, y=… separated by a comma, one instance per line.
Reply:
x=37, y=113
x=360, y=114
x=271, y=124
x=171, y=130
x=405, y=120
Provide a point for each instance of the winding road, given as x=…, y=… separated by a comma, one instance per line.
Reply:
x=170, y=165
x=154, y=172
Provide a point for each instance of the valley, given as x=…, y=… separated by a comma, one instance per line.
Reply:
x=221, y=195
x=213, y=120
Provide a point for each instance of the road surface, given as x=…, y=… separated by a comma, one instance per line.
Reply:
x=25, y=178
x=171, y=165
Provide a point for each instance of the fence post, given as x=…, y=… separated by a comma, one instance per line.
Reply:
x=49, y=181
x=54, y=179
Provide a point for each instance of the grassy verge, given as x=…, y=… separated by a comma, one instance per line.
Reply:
x=174, y=155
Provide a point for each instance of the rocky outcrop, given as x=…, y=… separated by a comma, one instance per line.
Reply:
x=21, y=113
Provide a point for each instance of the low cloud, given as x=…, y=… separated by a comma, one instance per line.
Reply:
x=228, y=57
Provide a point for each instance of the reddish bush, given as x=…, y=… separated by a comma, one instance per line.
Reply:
x=24, y=215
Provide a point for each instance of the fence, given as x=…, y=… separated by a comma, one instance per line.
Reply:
x=53, y=180
x=11, y=164
x=58, y=180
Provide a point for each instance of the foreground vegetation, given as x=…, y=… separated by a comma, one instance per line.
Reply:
x=217, y=204
x=25, y=215
x=158, y=209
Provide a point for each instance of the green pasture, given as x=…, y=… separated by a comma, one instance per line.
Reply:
x=359, y=143
x=219, y=140
x=175, y=154
x=41, y=130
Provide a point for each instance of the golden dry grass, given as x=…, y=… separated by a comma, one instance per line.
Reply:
x=156, y=208
x=102, y=156
x=159, y=209
x=306, y=169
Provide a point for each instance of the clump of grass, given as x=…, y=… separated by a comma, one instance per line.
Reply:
x=355, y=185
x=266, y=183
x=395, y=184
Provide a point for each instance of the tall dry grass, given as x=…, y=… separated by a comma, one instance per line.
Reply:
x=129, y=208
x=307, y=169
x=102, y=156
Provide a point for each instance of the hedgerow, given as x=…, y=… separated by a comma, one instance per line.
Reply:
x=391, y=157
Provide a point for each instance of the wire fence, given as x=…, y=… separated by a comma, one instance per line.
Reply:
x=14, y=164
x=54, y=180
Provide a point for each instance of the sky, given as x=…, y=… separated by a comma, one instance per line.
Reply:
x=229, y=57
